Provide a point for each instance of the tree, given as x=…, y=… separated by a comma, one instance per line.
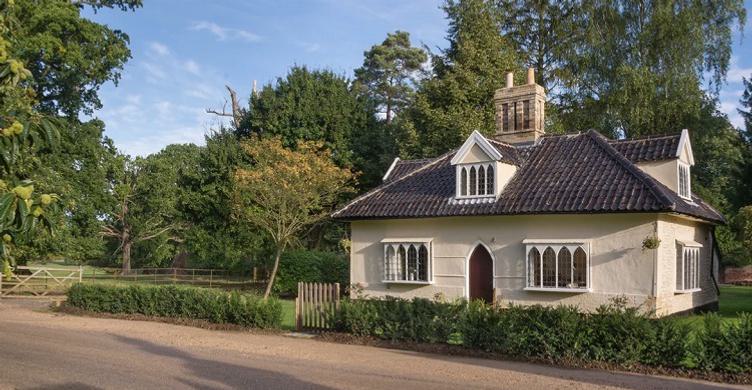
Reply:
x=544, y=32
x=141, y=213
x=23, y=132
x=309, y=105
x=388, y=72
x=287, y=190
x=458, y=97
x=638, y=68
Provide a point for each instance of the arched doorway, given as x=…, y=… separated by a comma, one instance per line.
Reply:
x=481, y=275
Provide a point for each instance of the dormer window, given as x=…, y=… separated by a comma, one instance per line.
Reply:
x=684, y=181
x=476, y=179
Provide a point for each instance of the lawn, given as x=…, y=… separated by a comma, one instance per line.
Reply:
x=732, y=301
x=288, y=314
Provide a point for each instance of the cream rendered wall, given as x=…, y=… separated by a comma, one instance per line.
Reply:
x=670, y=229
x=619, y=265
x=475, y=155
x=665, y=171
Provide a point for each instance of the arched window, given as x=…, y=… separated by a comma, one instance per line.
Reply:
x=481, y=181
x=412, y=263
x=579, y=271
x=423, y=262
x=473, y=181
x=390, y=268
x=549, y=268
x=407, y=262
x=401, y=263
x=463, y=184
x=490, y=180
x=534, y=264
x=564, y=268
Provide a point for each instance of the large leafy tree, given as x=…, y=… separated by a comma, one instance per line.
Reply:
x=287, y=191
x=24, y=131
x=212, y=237
x=458, y=97
x=69, y=58
x=309, y=105
x=639, y=68
x=388, y=72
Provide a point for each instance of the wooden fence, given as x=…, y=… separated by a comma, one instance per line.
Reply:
x=316, y=306
x=38, y=281
x=215, y=278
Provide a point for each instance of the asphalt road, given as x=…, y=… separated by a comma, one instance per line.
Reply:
x=43, y=350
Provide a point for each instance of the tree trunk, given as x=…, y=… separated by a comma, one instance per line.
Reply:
x=270, y=283
x=126, y=252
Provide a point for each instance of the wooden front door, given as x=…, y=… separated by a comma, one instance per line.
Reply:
x=481, y=275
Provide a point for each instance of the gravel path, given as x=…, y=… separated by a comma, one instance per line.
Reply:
x=44, y=350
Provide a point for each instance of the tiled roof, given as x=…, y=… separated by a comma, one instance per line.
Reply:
x=403, y=167
x=582, y=173
x=648, y=149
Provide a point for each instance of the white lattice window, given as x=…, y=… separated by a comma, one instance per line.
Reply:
x=687, y=266
x=685, y=185
x=557, y=266
x=476, y=180
x=407, y=261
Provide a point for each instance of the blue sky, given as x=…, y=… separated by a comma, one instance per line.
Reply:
x=185, y=51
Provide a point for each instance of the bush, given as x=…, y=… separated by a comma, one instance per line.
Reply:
x=310, y=266
x=178, y=302
x=723, y=346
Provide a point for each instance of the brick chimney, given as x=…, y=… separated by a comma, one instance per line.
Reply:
x=519, y=111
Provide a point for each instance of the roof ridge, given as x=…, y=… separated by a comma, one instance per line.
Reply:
x=643, y=177
x=388, y=184
x=645, y=138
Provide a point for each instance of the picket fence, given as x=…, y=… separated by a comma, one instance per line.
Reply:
x=316, y=306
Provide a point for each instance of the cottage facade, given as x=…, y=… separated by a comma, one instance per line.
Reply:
x=527, y=218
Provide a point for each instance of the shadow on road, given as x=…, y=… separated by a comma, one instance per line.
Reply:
x=593, y=376
x=219, y=372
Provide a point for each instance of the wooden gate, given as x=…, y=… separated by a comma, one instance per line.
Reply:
x=38, y=281
x=316, y=306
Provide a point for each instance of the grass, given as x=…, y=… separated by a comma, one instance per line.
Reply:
x=732, y=301
x=288, y=314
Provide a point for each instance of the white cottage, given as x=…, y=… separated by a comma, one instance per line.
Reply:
x=535, y=219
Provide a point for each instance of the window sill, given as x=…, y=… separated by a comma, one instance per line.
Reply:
x=559, y=289
x=692, y=290
x=419, y=282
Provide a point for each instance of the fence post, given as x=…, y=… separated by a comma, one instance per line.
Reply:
x=298, y=322
x=1, y=285
x=80, y=273
x=94, y=274
x=174, y=275
x=211, y=277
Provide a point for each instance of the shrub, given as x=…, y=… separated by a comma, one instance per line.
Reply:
x=723, y=346
x=619, y=333
x=178, y=302
x=310, y=266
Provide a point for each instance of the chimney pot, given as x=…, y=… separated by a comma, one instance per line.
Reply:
x=530, y=76
x=510, y=79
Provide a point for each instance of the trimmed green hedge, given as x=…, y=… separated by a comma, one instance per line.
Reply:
x=310, y=266
x=615, y=333
x=178, y=302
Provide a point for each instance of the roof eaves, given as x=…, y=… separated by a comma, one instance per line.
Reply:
x=391, y=183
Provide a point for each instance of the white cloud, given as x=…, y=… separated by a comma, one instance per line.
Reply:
x=154, y=70
x=192, y=67
x=736, y=73
x=225, y=33
x=159, y=48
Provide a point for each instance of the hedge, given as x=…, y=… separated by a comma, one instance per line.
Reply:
x=310, y=266
x=178, y=302
x=614, y=333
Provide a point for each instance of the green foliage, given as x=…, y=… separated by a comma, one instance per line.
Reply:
x=309, y=105
x=724, y=346
x=310, y=266
x=614, y=333
x=178, y=302
x=458, y=98
x=388, y=72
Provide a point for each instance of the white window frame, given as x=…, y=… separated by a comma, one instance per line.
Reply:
x=556, y=246
x=486, y=165
x=684, y=191
x=406, y=243
x=688, y=269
